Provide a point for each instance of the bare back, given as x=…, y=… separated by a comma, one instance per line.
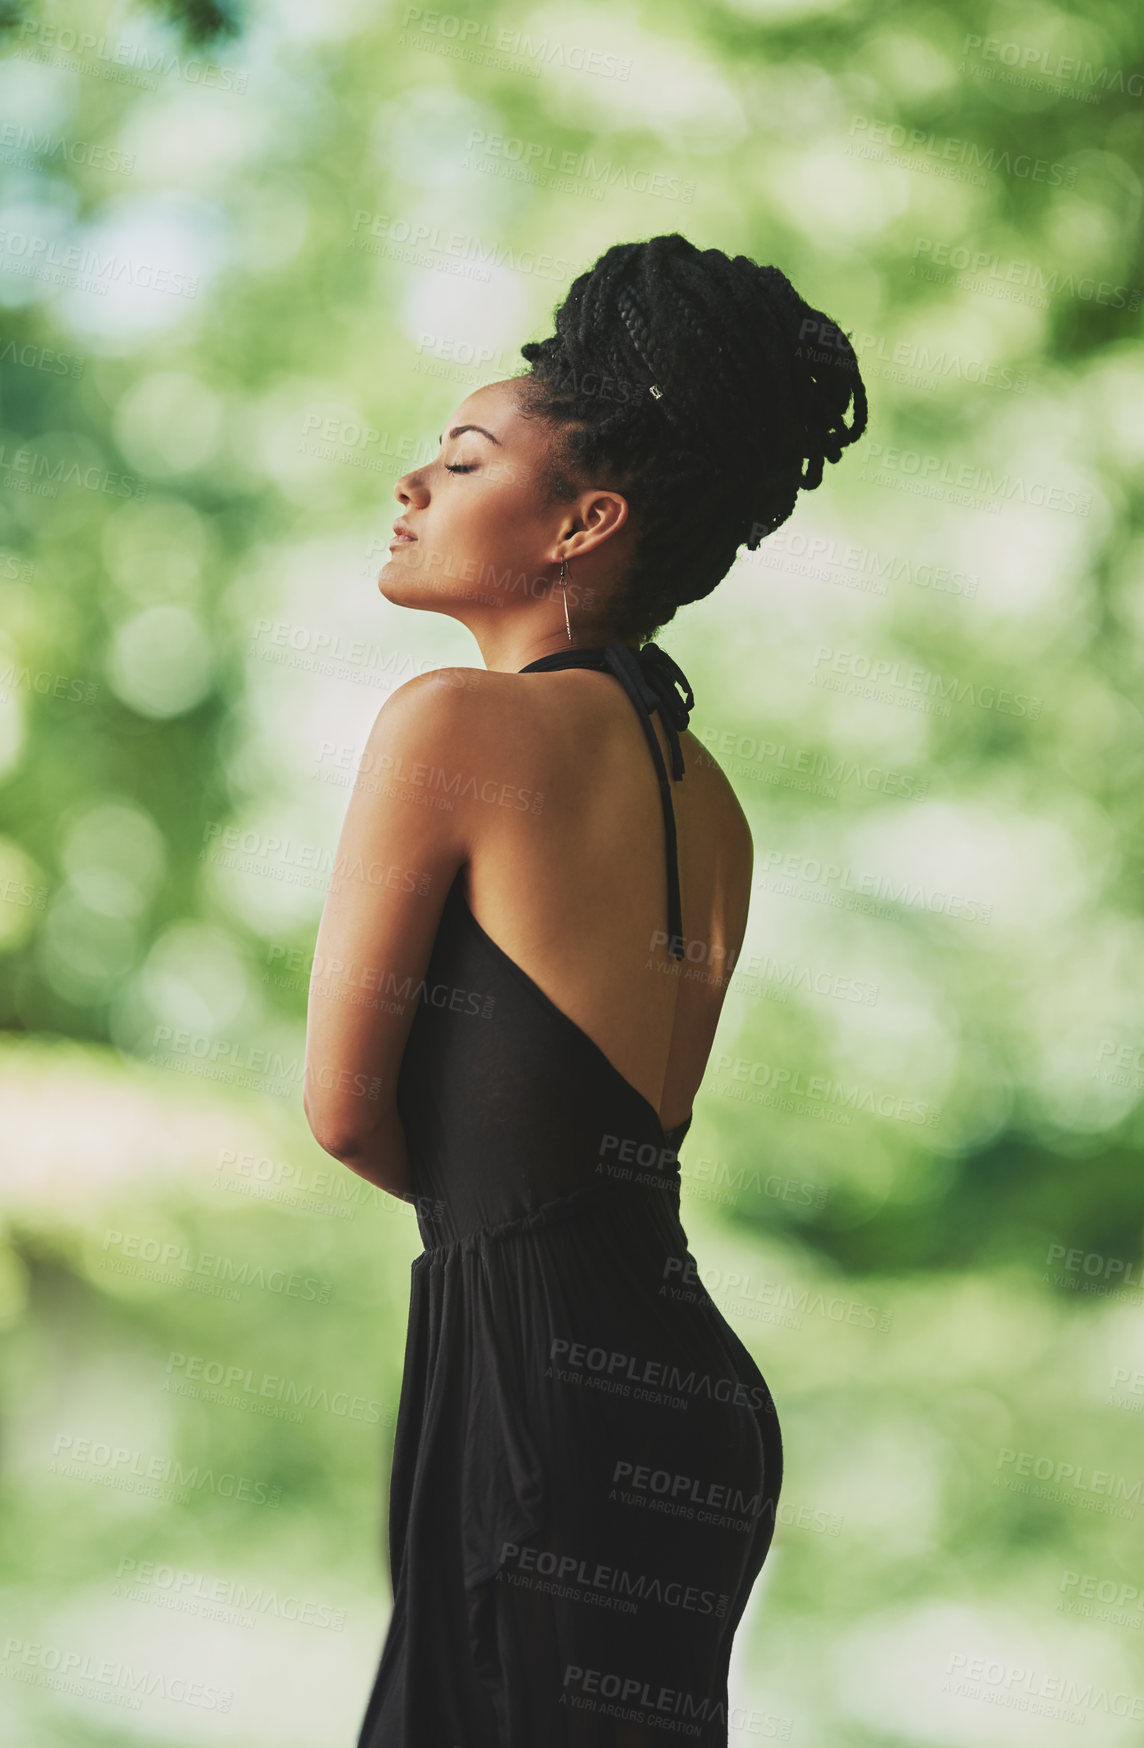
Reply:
x=567, y=872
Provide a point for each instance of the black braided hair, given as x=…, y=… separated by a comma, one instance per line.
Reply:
x=751, y=388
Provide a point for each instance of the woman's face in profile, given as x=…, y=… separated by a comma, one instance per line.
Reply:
x=483, y=533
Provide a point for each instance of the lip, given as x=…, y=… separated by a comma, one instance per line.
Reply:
x=401, y=535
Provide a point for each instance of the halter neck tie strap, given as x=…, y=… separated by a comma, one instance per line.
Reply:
x=653, y=681
x=654, y=678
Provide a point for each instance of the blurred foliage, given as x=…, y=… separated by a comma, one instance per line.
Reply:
x=200, y=21
x=244, y=273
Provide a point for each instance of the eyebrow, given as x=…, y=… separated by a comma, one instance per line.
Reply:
x=459, y=429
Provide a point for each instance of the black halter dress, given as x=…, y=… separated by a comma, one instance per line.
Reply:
x=587, y=1460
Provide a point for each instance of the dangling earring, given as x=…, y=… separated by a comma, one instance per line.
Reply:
x=564, y=592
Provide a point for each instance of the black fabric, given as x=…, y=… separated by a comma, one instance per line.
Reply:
x=587, y=1460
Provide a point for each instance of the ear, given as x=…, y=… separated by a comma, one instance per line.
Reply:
x=599, y=515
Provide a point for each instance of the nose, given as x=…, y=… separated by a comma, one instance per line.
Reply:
x=407, y=487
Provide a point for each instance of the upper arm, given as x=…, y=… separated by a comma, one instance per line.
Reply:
x=402, y=841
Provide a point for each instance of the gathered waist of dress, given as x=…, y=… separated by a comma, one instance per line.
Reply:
x=442, y=1240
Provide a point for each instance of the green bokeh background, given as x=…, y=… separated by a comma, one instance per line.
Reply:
x=247, y=266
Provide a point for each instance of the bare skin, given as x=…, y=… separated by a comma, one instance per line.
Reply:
x=555, y=814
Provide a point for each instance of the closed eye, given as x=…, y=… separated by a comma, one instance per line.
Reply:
x=456, y=467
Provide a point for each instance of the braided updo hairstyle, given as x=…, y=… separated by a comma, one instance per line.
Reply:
x=703, y=387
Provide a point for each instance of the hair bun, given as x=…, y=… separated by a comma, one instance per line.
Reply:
x=752, y=383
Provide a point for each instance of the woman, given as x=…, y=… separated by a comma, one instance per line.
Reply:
x=587, y=1459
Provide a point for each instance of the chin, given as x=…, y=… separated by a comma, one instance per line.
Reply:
x=408, y=590
x=402, y=591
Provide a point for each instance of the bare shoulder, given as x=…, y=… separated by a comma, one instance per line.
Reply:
x=436, y=687
x=495, y=723
x=457, y=735
x=466, y=708
x=435, y=709
x=478, y=711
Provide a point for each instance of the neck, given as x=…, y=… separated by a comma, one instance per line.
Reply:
x=508, y=648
